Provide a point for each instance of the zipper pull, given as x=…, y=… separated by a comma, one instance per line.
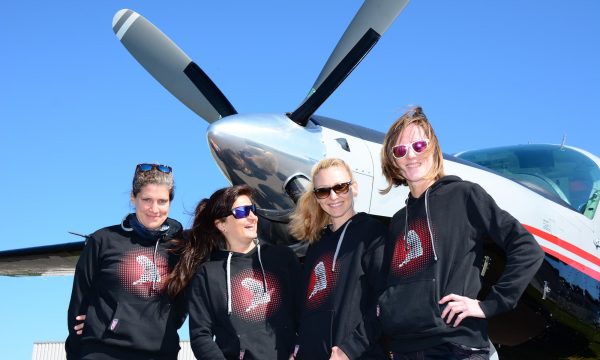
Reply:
x=486, y=264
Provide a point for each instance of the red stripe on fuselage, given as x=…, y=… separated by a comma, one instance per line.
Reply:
x=564, y=244
x=569, y=247
x=584, y=269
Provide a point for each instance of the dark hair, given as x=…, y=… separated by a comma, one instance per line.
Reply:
x=390, y=168
x=204, y=237
x=154, y=176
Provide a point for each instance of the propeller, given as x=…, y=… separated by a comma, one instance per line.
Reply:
x=186, y=80
x=168, y=64
x=370, y=22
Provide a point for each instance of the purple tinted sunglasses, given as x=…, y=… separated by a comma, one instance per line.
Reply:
x=401, y=150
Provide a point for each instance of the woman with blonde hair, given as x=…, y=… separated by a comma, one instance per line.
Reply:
x=342, y=265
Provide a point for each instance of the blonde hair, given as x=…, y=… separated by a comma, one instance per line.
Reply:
x=309, y=219
x=390, y=168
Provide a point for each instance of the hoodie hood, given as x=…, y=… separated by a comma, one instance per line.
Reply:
x=170, y=229
x=358, y=218
x=444, y=180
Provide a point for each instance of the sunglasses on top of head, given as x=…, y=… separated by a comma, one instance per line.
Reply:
x=324, y=192
x=242, y=212
x=399, y=151
x=149, y=167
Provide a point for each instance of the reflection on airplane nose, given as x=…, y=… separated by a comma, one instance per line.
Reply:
x=265, y=151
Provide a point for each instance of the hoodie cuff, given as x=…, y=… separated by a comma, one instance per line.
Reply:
x=489, y=307
x=353, y=349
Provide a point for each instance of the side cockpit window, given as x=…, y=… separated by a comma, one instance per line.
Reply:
x=562, y=174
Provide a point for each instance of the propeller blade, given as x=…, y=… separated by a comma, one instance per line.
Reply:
x=370, y=22
x=301, y=115
x=373, y=14
x=168, y=64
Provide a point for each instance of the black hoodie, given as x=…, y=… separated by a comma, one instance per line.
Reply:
x=242, y=306
x=119, y=285
x=339, y=276
x=441, y=252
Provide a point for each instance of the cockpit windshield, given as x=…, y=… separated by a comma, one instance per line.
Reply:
x=560, y=173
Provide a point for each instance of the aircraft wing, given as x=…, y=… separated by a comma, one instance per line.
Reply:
x=50, y=260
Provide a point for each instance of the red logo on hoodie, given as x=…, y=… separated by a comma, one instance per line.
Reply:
x=413, y=251
x=321, y=282
x=252, y=298
x=143, y=273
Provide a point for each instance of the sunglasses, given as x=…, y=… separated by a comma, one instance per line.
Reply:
x=324, y=192
x=149, y=167
x=401, y=150
x=242, y=212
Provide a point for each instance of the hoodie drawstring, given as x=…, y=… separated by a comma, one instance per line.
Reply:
x=429, y=224
x=155, y=275
x=128, y=229
x=265, y=290
x=229, y=283
x=406, y=225
x=339, y=245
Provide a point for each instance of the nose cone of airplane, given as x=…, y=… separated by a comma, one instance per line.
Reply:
x=265, y=151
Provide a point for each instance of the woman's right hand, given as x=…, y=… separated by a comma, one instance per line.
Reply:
x=79, y=327
x=338, y=354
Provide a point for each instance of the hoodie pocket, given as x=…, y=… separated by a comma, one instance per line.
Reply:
x=315, y=337
x=258, y=344
x=409, y=308
x=228, y=343
x=139, y=325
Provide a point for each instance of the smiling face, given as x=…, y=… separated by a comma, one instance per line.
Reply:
x=339, y=206
x=152, y=205
x=414, y=166
x=239, y=233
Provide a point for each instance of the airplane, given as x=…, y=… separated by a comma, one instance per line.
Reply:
x=553, y=190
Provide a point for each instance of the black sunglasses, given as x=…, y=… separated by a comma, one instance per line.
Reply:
x=242, y=212
x=324, y=192
x=148, y=167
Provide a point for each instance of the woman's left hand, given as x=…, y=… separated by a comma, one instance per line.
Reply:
x=79, y=327
x=460, y=307
x=338, y=354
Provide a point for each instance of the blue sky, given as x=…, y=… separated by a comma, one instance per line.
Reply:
x=78, y=112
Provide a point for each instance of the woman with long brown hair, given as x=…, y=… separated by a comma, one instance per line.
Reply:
x=241, y=291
